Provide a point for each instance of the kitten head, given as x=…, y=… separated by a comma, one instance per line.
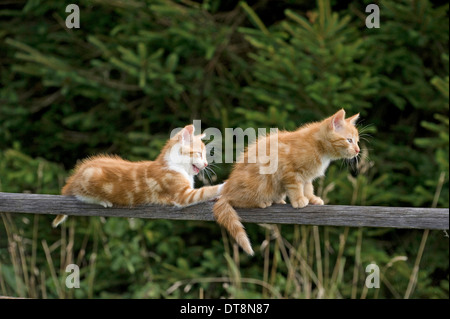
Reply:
x=342, y=135
x=187, y=151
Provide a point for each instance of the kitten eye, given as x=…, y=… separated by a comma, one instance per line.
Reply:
x=199, y=154
x=350, y=140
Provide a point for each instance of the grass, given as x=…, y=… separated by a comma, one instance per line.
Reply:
x=297, y=261
x=27, y=279
x=308, y=266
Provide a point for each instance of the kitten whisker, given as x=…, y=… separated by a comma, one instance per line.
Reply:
x=347, y=163
x=364, y=139
x=365, y=134
x=211, y=170
x=342, y=163
x=202, y=177
x=209, y=176
x=213, y=165
x=365, y=128
x=366, y=157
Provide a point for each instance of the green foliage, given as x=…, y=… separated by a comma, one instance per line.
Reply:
x=411, y=41
x=438, y=144
x=144, y=75
x=137, y=69
x=21, y=173
x=308, y=69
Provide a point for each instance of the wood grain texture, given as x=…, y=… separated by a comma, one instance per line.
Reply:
x=330, y=215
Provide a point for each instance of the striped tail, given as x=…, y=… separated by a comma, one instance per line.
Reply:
x=58, y=220
x=227, y=217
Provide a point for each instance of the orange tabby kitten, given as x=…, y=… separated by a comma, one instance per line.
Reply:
x=303, y=155
x=169, y=180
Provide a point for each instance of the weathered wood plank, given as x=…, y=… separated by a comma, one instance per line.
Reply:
x=331, y=215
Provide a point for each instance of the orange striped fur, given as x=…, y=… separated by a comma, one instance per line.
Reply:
x=169, y=180
x=303, y=155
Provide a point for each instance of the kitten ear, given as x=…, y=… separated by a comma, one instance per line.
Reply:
x=338, y=120
x=352, y=120
x=186, y=134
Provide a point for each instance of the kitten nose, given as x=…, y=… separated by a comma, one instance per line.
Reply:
x=357, y=150
x=206, y=164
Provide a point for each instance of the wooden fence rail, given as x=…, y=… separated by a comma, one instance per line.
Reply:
x=327, y=215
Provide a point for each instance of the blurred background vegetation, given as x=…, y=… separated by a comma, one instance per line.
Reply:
x=137, y=69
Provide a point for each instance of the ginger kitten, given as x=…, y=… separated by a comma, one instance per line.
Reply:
x=303, y=155
x=169, y=180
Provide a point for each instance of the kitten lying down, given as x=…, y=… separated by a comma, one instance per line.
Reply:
x=169, y=180
x=302, y=156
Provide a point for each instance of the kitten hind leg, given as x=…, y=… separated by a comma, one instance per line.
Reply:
x=268, y=203
x=281, y=199
x=265, y=204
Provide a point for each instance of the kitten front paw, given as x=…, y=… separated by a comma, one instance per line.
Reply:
x=315, y=200
x=300, y=203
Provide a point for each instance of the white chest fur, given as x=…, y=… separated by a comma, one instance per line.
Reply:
x=179, y=166
x=325, y=162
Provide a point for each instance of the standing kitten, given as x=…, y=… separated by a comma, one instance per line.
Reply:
x=169, y=180
x=303, y=155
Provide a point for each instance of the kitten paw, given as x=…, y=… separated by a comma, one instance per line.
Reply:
x=315, y=200
x=265, y=204
x=106, y=204
x=300, y=203
x=281, y=201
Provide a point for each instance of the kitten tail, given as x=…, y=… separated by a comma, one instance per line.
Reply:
x=58, y=220
x=66, y=190
x=227, y=217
